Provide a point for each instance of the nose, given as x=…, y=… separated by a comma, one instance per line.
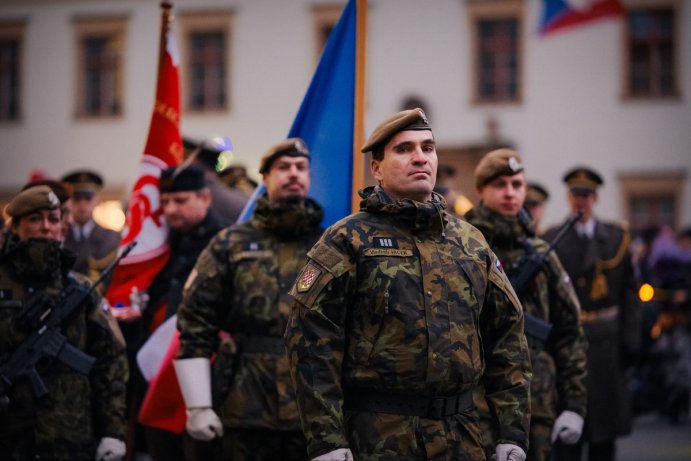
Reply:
x=419, y=156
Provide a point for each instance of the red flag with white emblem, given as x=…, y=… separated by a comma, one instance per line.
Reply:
x=163, y=149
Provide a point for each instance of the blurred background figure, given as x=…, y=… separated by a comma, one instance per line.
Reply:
x=663, y=377
x=456, y=202
x=88, y=240
x=535, y=202
x=235, y=177
x=215, y=155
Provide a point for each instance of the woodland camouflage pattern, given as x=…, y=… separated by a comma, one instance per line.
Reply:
x=559, y=367
x=79, y=410
x=405, y=299
x=240, y=285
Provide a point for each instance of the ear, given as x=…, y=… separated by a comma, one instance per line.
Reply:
x=375, y=167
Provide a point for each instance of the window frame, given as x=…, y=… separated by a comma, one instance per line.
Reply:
x=16, y=30
x=629, y=5
x=651, y=185
x=482, y=10
x=324, y=16
x=207, y=21
x=115, y=28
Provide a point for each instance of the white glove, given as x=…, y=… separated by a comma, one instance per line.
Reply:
x=342, y=454
x=203, y=424
x=509, y=452
x=110, y=449
x=194, y=377
x=568, y=427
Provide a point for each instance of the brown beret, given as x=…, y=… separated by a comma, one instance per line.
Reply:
x=413, y=119
x=536, y=193
x=292, y=147
x=62, y=190
x=499, y=162
x=32, y=199
x=582, y=180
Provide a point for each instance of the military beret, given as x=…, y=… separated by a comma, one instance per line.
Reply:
x=292, y=147
x=499, y=162
x=412, y=119
x=182, y=178
x=536, y=193
x=85, y=183
x=32, y=199
x=582, y=180
x=62, y=190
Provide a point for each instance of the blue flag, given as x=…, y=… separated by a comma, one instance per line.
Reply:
x=325, y=121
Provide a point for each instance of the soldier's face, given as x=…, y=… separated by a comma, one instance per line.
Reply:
x=504, y=195
x=583, y=203
x=409, y=167
x=186, y=209
x=288, y=180
x=44, y=223
x=83, y=207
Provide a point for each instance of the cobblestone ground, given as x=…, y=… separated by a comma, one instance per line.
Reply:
x=655, y=439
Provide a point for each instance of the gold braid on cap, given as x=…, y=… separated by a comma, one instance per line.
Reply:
x=599, y=288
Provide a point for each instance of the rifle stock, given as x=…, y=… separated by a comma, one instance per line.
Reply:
x=536, y=327
x=47, y=340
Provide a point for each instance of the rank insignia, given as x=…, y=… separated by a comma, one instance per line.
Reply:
x=309, y=275
x=385, y=242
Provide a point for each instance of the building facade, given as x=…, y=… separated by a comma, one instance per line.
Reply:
x=77, y=81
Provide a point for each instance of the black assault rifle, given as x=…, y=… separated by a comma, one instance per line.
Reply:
x=532, y=263
x=46, y=321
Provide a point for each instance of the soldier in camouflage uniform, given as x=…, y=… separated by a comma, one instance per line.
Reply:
x=559, y=364
x=81, y=417
x=240, y=285
x=400, y=311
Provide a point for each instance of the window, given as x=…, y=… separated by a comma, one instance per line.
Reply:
x=496, y=37
x=652, y=199
x=100, y=49
x=651, y=49
x=11, y=38
x=325, y=19
x=206, y=45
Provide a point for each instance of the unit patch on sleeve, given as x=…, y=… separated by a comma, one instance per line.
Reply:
x=309, y=275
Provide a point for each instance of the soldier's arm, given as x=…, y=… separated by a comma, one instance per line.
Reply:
x=567, y=341
x=110, y=373
x=199, y=316
x=507, y=360
x=315, y=339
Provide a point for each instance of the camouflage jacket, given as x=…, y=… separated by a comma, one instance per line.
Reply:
x=240, y=285
x=78, y=410
x=559, y=367
x=404, y=298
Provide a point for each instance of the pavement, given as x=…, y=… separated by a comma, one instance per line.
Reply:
x=655, y=439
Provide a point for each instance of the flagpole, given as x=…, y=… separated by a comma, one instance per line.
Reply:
x=166, y=19
x=359, y=117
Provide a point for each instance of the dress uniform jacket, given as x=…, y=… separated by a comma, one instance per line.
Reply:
x=101, y=242
x=601, y=270
x=403, y=299
x=559, y=365
x=240, y=285
x=78, y=410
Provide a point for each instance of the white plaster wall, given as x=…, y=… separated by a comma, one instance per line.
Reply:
x=571, y=111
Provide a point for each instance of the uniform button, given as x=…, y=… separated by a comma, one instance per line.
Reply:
x=429, y=293
x=282, y=285
x=435, y=355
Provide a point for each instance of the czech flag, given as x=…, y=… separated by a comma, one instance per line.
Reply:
x=562, y=14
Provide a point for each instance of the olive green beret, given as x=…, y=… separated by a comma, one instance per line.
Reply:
x=499, y=162
x=292, y=147
x=413, y=119
x=32, y=199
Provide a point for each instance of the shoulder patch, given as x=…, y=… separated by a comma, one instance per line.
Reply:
x=307, y=277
